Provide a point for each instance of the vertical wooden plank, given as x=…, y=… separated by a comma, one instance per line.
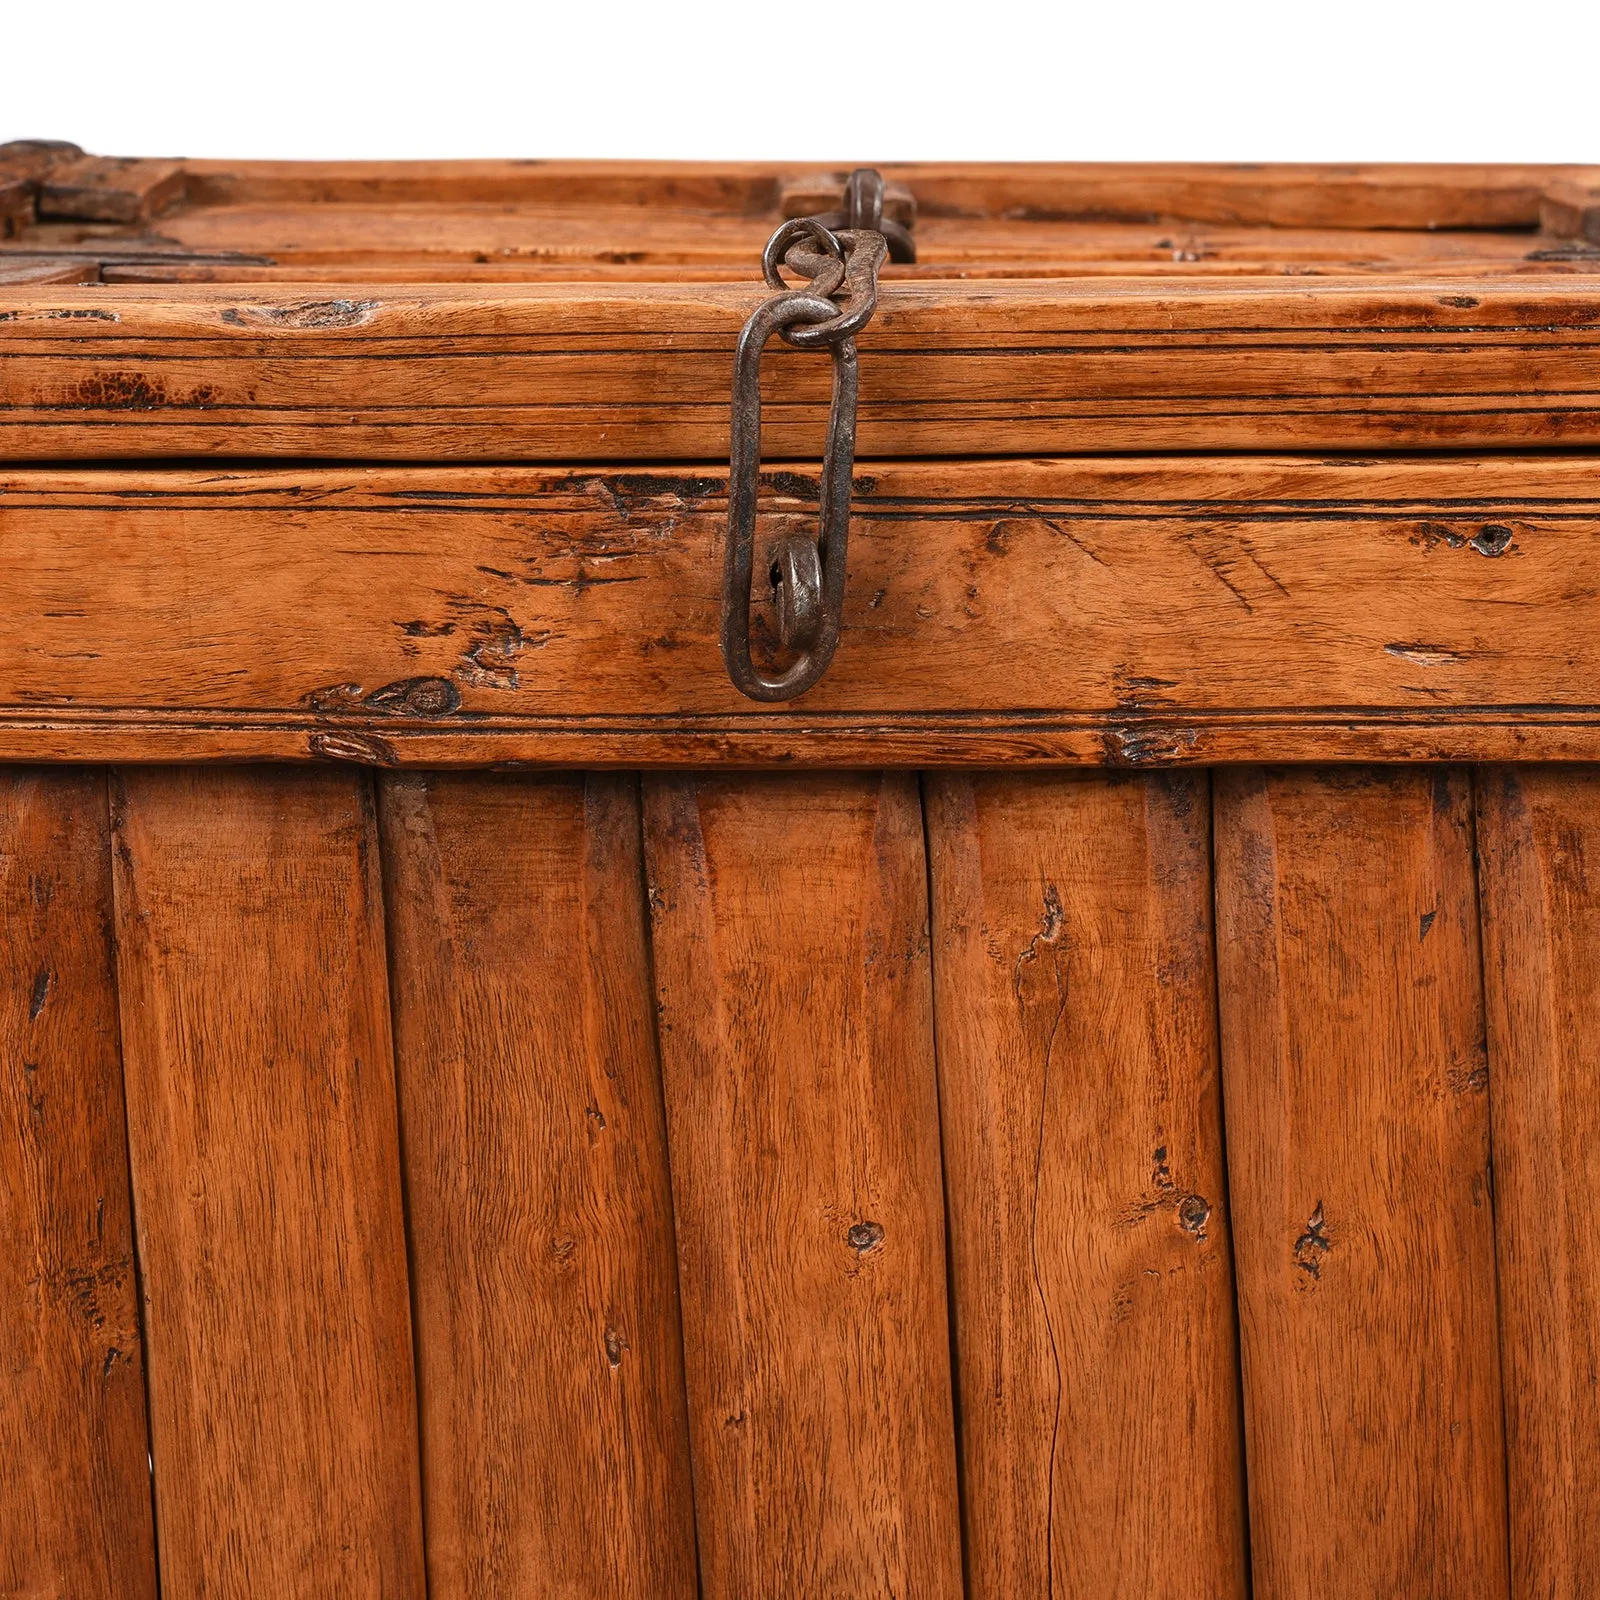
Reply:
x=796, y=1039
x=555, y=1437
x=1093, y=1288
x=1539, y=840
x=74, y=1467
x=1355, y=1083
x=266, y=1183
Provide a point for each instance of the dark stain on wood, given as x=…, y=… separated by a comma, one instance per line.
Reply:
x=134, y=391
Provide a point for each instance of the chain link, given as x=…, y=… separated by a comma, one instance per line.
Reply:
x=838, y=257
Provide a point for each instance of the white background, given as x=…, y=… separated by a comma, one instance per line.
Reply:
x=1328, y=80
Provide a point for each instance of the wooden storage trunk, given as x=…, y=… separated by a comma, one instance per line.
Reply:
x=1097, y=1098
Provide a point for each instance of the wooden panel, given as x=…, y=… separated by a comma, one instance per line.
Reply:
x=641, y=371
x=1280, y=194
x=1539, y=833
x=266, y=1182
x=1355, y=1082
x=1131, y=612
x=1093, y=1291
x=554, y=1436
x=792, y=965
x=74, y=1472
x=1389, y=195
x=575, y=244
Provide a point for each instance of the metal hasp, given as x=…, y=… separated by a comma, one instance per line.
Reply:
x=838, y=255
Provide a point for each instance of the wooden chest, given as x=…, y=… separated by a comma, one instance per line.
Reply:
x=1096, y=1097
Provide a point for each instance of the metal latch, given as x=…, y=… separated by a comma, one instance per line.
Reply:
x=838, y=254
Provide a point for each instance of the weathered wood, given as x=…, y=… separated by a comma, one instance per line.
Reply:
x=791, y=958
x=1539, y=837
x=1571, y=211
x=1124, y=612
x=1091, y=1280
x=1276, y=194
x=554, y=1435
x=109, y=189
x=641, y=371
x=266, y=1182
x=38, y=269
x=74, y=1474
x=1355, y=1082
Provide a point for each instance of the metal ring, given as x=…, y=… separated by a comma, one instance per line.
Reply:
x=864, y=253
x=791, y=233
x=863, y=200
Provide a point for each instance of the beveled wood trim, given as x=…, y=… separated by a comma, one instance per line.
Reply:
x=642, y=370
x=1281, y=194
x=1123, y=612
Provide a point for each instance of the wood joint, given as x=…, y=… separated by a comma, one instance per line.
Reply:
x=1570, y=211
x=108, y=189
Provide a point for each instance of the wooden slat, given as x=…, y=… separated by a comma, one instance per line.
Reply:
x=641, y=370
x=554, y=1435
x=74, y=1472
x=1358, y=1146
x=1278, y=194
x=792, y=964
x=266, y=1183
x=109, y=189
x=37, y=269
x=1091, y=1279
x=574, y=243
x=1133, y=612
x=1539, y=834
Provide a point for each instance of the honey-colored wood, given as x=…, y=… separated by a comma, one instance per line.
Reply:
x=1124, y=612
x=554, y=1435
x=74, y=1476
x=1382, y=196
x=266, y=1182
x=1571, y=210
x=1539, y=834
x=1355, y=1084
x=31, y=269
x=611, y=371
x=791, y=957
x=1091, y=1279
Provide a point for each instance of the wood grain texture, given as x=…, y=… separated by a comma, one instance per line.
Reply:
x=1385, y=195
x=554, y=1434
x=1539, y=834
x=1091, y=1279
x=791, y=956
x=1355, y=1081
x=74, y=1473
x=266, y=1182
x=603, y=372
x=1124, y=612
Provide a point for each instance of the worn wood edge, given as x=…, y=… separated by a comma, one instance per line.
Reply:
x=900, y=739
x=1349, y=306
x=1394, y=195
x=1120, y=732
x=594, y=371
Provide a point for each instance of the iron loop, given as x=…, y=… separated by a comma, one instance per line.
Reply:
x=836, y=256
x=819, y=597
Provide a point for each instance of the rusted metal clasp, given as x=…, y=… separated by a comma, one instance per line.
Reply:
x=838, y=255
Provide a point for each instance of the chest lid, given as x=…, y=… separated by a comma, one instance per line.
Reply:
x=573, y=311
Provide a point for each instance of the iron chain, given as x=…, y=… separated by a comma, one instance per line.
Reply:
x=838, y=255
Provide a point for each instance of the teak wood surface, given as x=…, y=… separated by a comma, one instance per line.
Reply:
x=630, y=1173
